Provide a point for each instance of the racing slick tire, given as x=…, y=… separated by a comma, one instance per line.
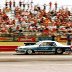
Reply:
x=29, y=51
x=59, y=51
x=69, y=52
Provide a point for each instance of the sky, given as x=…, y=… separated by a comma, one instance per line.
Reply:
x=65, y=3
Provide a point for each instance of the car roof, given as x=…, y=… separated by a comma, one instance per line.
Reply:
x=47, y=41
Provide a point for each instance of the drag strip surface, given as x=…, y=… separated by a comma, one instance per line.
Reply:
x=36, y=66
x=12, y=57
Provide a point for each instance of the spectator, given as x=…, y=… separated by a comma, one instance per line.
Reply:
x=53, y=37
x=68, y=38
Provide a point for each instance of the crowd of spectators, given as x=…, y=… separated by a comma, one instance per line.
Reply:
x=37, y=21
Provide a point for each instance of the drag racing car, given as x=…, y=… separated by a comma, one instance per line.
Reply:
x=44, y=46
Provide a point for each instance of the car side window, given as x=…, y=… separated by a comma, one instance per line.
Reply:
x=48, y=44
x=43, y=44
x=51, y=44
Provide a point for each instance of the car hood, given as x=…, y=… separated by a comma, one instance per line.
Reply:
x=63, y=46
x=28, y=46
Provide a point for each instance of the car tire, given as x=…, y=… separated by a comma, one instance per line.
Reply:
x=59, y=51
x=69, y=52
x=29, y=51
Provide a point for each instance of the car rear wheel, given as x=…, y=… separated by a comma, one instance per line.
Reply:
x=29, y=51
x=59, y=51
x=68, y=52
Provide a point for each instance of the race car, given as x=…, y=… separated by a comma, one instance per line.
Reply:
x=44, y=46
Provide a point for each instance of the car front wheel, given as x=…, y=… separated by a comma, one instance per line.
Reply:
x=29, y=51
x=59, y=51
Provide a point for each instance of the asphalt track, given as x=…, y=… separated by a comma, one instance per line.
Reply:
x=13, y=57
x=36, y=66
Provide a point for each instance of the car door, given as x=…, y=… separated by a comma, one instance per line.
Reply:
x=52, y=47
x=43, y=47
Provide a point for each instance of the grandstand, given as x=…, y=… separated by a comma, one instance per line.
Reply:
x=29, y=23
